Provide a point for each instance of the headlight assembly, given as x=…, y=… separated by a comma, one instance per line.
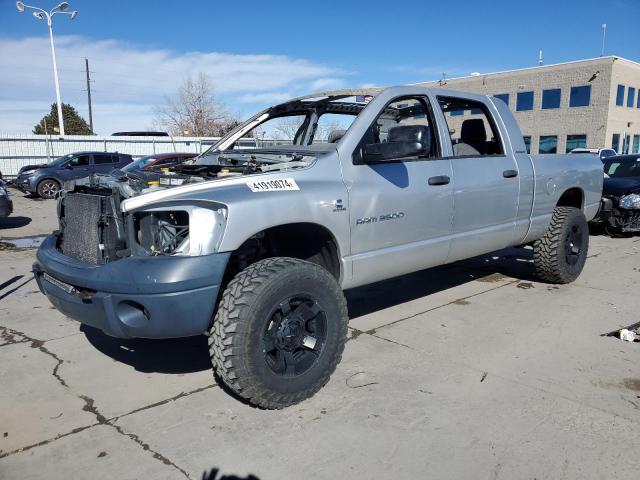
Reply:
x=185, y=230
x=630, y=202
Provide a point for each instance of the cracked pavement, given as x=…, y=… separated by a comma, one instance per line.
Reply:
x=472, y=370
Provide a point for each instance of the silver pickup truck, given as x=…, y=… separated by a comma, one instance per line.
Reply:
x=254, y=246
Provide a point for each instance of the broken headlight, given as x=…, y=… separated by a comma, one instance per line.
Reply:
x=178, y=230
x=630, y=202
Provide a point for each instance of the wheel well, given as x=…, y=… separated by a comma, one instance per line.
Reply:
x=572, y=198
x=306, y=241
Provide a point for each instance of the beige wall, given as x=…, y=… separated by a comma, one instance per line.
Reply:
x=591, y=121
x=623, y=119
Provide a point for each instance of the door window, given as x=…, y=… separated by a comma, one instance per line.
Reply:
x=105, y=159
x=79, y=161
x=471, y=127
x=401, y=120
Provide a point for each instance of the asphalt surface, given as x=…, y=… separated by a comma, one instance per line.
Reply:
x=470, y=371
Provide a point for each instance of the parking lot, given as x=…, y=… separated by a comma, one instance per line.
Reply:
x=471, y=370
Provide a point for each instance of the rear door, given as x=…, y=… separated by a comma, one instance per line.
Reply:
x=400, y=209
x=486, y=181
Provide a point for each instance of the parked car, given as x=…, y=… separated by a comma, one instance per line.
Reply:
x=620, y=206
x=140, y=134
x=413, y=179
x=46, y=179
x=159, y=160
x=6, y=205
x=602, y=153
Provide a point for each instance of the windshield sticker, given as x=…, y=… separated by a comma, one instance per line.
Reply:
x=273, y=185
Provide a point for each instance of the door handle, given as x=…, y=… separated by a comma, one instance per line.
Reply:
x=439, y=180
x=510, y=173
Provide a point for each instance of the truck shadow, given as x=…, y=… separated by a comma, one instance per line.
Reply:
x=516, y=263
x=187, y=355
x=173, y=355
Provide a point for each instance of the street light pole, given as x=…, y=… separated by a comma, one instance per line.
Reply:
x=604, y=36
x=41, y=14
x=55, y=77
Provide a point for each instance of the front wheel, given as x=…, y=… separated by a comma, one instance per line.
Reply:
x=48, y=188
x=560, y=254
x=279, y=332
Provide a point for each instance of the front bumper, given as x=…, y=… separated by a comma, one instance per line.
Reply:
x=6, y=207
x=26, y=183
x=620, y=219
x=146, y=297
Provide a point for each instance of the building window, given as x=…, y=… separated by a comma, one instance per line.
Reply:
x=527, y=142
x=638, y=105
x=551, y=98
x=625, y=144
x=456, y=113
x=636, y=144
x=524, y=101
x=580, y=96
x=505, y=98
x=631, y=97
x=548, y=144
x=576, y=141
x=615, y=141
x=620, y=96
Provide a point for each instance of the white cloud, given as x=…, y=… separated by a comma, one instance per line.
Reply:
x=265, y=97
x=326, y=84
x=129, y=80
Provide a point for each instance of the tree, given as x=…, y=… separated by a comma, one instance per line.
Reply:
x=74, y=124
x=195, y=110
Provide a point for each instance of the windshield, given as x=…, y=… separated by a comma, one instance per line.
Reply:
x=139, y=164
x=58, y=162
x=623, y=168
x=305, y=125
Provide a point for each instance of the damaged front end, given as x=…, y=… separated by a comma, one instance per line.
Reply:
x=95, y=230
x=621, y=214
x=151, y=272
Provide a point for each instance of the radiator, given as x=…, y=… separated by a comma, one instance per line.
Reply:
x=82, y=231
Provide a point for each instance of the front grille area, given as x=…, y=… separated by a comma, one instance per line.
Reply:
x=92, y=229
x=81, y=238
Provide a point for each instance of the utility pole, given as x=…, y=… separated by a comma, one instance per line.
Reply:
x=86, y=67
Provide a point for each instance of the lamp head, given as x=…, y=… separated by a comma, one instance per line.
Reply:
x=73, y=14
x=20, y=6
x=39, y=15
x=63, y=7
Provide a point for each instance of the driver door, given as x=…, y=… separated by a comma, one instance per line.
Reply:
x=400, y=208
x=77, y=167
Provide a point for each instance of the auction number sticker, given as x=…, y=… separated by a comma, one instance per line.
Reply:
x=274, y=185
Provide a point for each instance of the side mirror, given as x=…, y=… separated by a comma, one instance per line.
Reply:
x=402, y=142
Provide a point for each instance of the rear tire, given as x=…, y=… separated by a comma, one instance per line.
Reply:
x=560, y=254
x=48, y=188
x=279, y=332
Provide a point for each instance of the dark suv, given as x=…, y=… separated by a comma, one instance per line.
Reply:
x=46, y=179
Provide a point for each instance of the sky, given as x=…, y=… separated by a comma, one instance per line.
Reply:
x=260, y=53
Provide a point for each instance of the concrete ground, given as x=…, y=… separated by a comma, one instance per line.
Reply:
x=31, y=216
x=470, y=371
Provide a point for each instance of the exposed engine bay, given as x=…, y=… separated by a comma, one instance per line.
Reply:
x=94, y=230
